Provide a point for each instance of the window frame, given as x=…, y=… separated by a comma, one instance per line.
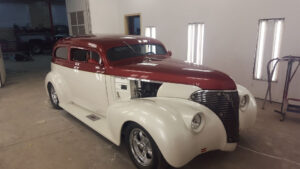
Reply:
x=77, y=25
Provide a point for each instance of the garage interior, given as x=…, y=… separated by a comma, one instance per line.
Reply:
x=229, y=38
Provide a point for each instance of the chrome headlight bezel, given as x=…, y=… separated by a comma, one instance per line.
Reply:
x=244, y=102
x=196, y=122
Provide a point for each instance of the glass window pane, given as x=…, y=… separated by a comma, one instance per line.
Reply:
x=79, y=54
x=80, y=18
x=95, y=56
x=74, y=30
x=73, y=18
x=62, y=53
x=123, y=52
x=81, y=30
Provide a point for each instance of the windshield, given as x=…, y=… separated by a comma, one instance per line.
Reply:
x=128, y=51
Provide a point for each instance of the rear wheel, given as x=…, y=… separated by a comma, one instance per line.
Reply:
x=142, y=149
x=53, y=96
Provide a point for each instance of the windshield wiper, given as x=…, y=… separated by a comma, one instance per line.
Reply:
x=130, y=47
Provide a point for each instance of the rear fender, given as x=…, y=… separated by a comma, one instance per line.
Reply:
x=59, y=85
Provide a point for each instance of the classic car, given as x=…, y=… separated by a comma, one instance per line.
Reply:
x=2, y=69
x=129, y=89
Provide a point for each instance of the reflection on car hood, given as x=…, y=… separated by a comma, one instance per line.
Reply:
x=175, y=71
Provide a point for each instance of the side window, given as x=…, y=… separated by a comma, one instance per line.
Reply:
x=61, y=53
x=80, y=55
x=94, y=58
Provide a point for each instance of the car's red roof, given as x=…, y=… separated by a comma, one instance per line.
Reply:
x=108, y=40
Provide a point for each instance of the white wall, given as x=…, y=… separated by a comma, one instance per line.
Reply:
x=231, y=28
x=105, y=18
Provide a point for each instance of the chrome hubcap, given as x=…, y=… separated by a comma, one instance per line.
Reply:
x=53, y=96
x=140, y=147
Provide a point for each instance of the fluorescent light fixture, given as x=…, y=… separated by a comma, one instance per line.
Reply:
x=150, y=32
x=147, y=32
x=268, y=46
x=200, y=39
x=153, y=32
x=276, y=45
x=195, y=43
x=189, y=51
x=260, y=48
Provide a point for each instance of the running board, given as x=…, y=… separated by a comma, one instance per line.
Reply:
x=98, y=124
x=93, y=117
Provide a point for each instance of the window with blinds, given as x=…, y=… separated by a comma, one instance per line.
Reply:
x=77, y=23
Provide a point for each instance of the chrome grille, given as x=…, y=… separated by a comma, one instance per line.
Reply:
x=226, y=105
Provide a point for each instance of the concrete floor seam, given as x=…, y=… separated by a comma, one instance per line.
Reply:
x=269, y=155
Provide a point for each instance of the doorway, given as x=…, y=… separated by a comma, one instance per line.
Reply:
x=132, y=24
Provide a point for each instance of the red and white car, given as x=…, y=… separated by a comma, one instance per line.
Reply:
x=129, y=89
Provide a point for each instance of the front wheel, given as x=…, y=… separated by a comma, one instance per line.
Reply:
x=53, y=96
x=142, y=149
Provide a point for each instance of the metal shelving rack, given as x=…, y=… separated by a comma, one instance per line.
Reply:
x=286, y=106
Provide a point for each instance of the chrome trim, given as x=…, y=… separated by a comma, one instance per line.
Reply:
x=143, y=80
x=141, y=147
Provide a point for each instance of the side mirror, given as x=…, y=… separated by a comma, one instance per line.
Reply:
x=169, y=53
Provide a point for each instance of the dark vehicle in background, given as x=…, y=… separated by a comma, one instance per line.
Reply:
x=39, y=40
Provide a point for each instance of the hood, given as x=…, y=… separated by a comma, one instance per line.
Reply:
x=174, y=71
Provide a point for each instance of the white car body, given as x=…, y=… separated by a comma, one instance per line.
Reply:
x=166, y=117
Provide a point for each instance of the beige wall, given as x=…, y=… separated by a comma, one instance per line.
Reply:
x=105, y=16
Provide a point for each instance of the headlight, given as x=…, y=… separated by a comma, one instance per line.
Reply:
x=196, y=122
x=244, y=100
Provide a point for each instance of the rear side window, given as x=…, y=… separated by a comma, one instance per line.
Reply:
x=62, y=53
x=80, y=55
x=95, y=56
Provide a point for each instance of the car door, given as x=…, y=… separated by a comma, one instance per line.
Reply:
x=89, y=81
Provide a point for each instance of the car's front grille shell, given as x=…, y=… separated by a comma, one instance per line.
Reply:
x=226, y=105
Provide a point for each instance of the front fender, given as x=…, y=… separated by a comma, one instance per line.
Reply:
x=248, y=116
x=167, y=121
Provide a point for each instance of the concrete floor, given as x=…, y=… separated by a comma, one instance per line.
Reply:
x=33, y=135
